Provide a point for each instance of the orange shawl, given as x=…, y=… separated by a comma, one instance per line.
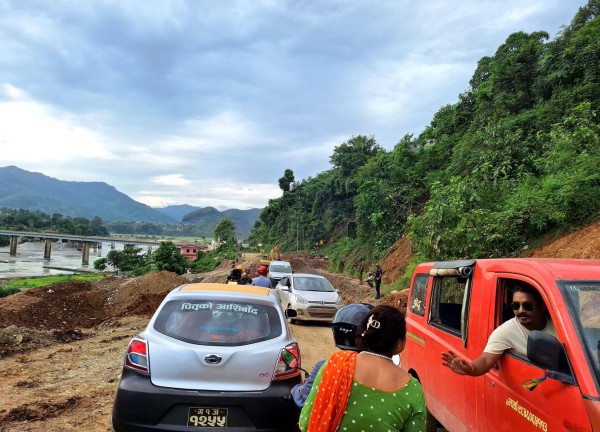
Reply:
x=332, y=396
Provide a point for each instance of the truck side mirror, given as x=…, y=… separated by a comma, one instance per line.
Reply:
x=543, y=350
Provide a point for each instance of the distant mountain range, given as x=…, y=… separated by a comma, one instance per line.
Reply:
x=21, y=189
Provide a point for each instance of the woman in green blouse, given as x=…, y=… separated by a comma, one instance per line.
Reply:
x=366, y=390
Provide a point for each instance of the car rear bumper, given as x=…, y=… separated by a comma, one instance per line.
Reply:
x=141, y=406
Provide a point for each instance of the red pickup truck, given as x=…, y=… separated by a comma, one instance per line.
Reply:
x=455, y=305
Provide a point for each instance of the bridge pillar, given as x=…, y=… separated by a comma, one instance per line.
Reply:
x=112, y=245
x=99, y=249
x=149, y=250
x=14, y=240
x=85, y=256
x=47, y=249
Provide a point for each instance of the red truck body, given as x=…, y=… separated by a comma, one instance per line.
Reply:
x=455, y=305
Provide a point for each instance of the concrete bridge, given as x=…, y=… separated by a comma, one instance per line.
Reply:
x=87, y=242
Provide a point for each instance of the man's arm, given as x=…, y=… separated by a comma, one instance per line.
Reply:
x=477, y=367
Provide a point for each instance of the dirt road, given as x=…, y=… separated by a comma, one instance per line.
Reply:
x=70, y=386
x=61, y=348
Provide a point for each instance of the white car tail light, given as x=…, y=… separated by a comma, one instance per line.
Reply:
x=136, y=357
x=288, y=364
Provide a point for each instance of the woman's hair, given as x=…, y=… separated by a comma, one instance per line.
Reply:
x=380, y=330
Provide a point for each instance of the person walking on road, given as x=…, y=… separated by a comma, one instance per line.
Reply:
x=378, y=275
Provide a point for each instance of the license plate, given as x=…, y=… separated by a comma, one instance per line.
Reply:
x=322, y=310
x=207, y=417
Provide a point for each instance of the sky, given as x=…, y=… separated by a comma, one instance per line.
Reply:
x=207, y=103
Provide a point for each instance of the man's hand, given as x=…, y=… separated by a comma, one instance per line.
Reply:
x=456, y=364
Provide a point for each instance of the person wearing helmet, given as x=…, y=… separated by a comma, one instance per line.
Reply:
x=262, y=279
x=345, y=323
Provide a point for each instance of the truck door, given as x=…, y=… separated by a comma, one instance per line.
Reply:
x=450, y=397
x=552, y=405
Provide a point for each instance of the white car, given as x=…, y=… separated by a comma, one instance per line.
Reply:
x=213, y=357
x=312, y=297
x=277, y=270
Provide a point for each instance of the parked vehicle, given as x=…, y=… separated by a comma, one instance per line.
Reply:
x=455, y=305
x=277, y=270
x=212, y=356
x=312, y=297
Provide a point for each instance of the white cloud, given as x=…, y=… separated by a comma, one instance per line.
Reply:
x=32, y=130
x=170, y=180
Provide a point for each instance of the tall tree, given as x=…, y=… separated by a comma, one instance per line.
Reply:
x=286, y=181
x=225, y=231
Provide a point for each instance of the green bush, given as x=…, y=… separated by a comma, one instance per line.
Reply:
x=6, y=291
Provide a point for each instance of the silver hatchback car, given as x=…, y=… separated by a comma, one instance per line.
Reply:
x=310, y=296
x=213, y=356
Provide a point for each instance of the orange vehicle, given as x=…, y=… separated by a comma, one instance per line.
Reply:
x=455, y=305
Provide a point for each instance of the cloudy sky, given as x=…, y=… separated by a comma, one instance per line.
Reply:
x=208, y=102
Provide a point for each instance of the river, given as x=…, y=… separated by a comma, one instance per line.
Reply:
x=29, y=260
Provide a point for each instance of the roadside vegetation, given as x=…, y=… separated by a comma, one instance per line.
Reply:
x=513, y=160
x=13, y=286
x=168, y=257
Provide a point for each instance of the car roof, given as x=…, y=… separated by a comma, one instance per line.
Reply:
x=307, y=275
x=280, y=262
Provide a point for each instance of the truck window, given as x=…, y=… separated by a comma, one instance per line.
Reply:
x=449, y=304
x=506, y=289
x=417, y=298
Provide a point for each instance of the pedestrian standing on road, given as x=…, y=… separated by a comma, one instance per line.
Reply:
x=378, y=275
x=262, y=279
x=344, y=325
x=367, y=391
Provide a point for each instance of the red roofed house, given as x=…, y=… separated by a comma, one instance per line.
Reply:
x=190, y=250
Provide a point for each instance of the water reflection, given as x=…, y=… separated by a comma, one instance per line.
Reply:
x=65, y=258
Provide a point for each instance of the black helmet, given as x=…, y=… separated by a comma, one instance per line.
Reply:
x=345, y=323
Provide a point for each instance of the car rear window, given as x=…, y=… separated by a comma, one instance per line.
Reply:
x=218, y=322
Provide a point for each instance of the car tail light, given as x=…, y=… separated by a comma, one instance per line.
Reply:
x=136, y=357
x=288, y=364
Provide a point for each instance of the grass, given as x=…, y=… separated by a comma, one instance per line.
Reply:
x=13, y=286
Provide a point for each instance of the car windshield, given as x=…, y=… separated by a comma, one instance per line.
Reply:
x=281, y=268
x=218, y=322
x=312, y=284
x=583, y=299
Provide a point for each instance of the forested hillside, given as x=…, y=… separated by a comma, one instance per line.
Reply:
x=515, y=158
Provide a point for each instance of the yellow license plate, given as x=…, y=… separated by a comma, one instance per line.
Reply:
x=201, y=417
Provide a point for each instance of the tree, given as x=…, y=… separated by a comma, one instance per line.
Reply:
x=353, y=154
x=286, y=181
x=100, y=264
x=225, y=231
x=168, y=257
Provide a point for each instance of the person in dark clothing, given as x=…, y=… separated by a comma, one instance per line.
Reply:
x=378, y=275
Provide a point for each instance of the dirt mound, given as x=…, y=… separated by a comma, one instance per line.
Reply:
x=396, y=260
x=142, y=295
x=583, y=243
x=65, y=306
x=301, y=261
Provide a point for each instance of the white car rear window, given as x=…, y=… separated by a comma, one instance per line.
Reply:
x=218, y=322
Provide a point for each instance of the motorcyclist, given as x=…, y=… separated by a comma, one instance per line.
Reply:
x=345, y=323
x=262, y=279
x=235, y=274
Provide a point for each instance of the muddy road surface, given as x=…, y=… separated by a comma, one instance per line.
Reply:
x=62, y=347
